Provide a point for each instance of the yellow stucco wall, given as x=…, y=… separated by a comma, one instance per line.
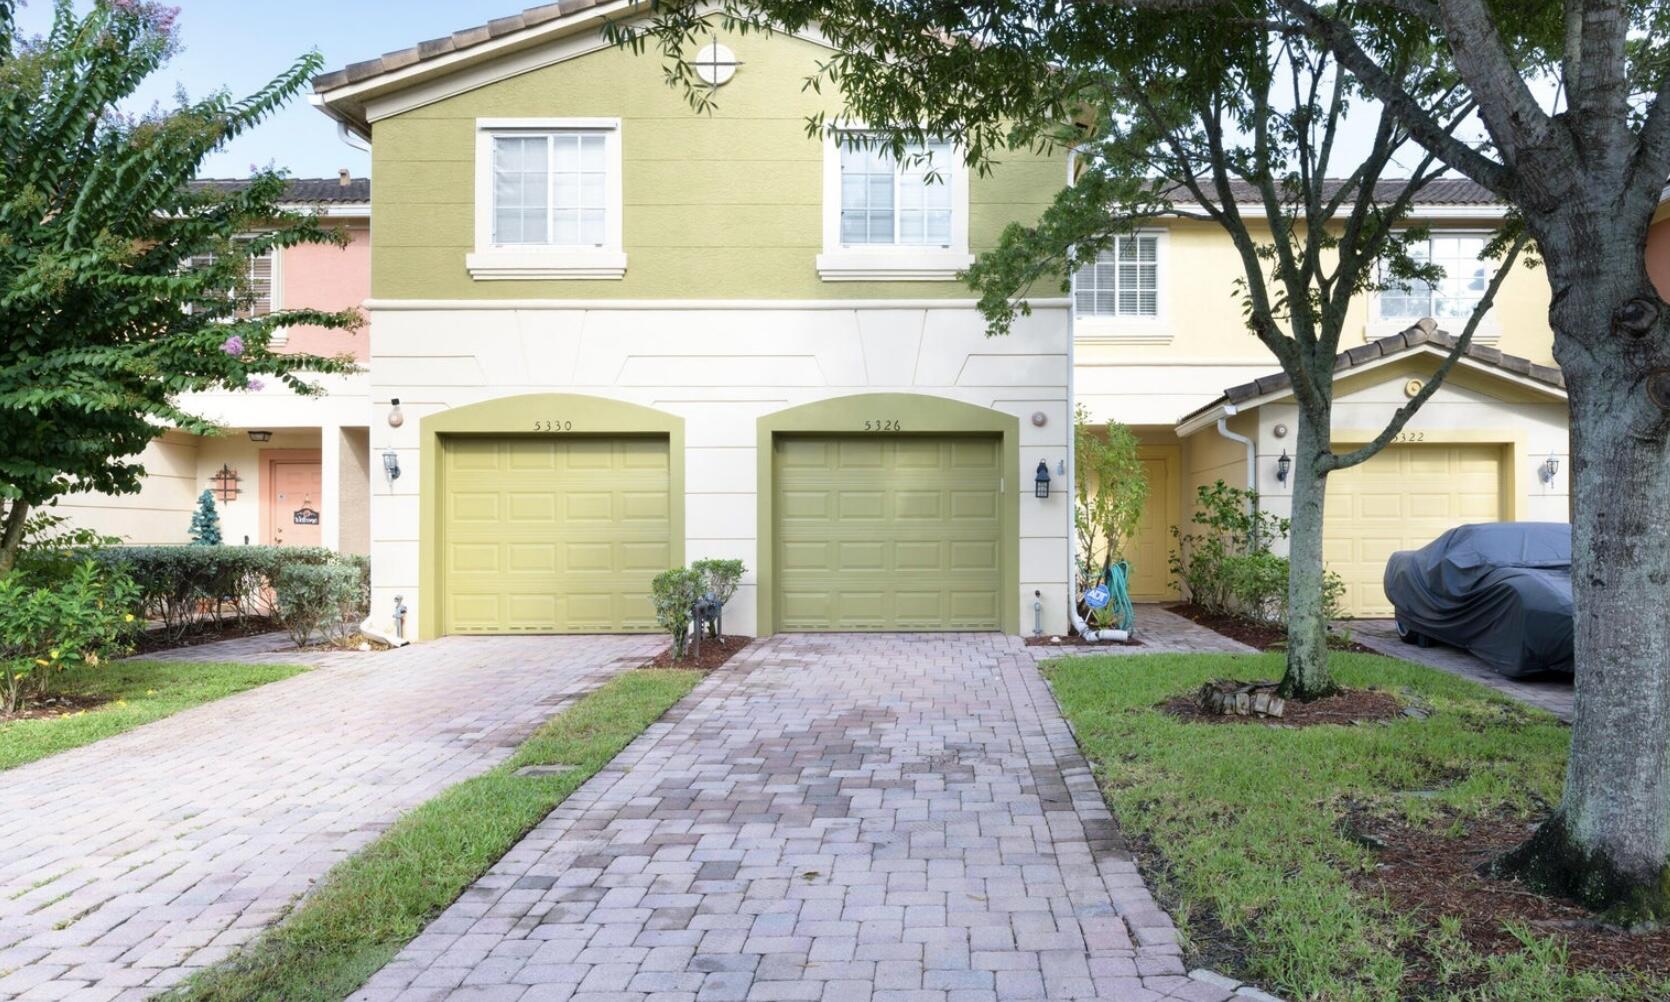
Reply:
x=724, y=205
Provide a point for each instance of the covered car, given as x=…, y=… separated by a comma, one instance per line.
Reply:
x=1501, y=590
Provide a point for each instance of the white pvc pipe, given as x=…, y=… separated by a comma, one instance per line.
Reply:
x=380, y=636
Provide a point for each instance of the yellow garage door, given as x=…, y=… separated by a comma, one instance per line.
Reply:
x=888, y=532
x=1403, y=499
x=552, y=535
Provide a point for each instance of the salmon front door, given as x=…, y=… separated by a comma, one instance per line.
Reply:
x=293, y=502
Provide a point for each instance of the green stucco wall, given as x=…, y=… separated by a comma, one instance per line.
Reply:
x=723, y=205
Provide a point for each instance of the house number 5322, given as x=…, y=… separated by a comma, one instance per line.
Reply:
x=553, y=426
x=887, y=424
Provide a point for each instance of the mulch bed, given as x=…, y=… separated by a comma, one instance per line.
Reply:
x=55, y=706
x=1425, y=874
x=152, y=641
x=1074, y=640
x=715, y=652
x=1261, y=636
x=1352, y=706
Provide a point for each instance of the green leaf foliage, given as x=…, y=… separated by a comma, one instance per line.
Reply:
x=103, y=326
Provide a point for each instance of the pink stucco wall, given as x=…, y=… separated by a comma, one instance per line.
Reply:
x=328, y=277
x=1658, y=256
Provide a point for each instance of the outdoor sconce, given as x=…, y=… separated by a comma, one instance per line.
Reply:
x=391, y=464
x=1282, y=466
x=260, y=436
x=396, y=416
x=1549, y=468
x=1041, y=482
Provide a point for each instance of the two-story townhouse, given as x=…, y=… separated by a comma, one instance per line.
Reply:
x=624, y=335
x=286, y=469
x=1161, y=346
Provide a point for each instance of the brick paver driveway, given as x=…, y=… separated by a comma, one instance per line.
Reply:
x=130, y=861
x=840, y=818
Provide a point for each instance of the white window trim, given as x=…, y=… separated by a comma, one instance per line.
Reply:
x=493, y=263
x=1489, y=331
x=1157, y=329
x=281, y=335
x=889, y=262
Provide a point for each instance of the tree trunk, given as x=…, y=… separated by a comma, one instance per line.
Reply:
x=11, y=534
x=1307, y=675
x=1609, y=844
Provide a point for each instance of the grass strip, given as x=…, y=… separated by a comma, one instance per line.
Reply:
x=374, y=902
x=1248, y=818
x=138, y=692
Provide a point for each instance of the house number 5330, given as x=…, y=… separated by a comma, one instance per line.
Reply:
x=886, y=424
x=553, y=426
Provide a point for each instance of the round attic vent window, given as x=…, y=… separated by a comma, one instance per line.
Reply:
x=715, y=64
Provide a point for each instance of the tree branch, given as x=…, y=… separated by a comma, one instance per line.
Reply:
x=1333, y=461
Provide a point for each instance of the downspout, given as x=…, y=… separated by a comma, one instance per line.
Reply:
x=1229, y=411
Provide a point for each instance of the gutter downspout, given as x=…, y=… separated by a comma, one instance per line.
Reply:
x=1229, y=411
x=351, y=138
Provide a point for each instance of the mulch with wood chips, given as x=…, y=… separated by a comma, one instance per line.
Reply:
x=1350, y=706
x=1424, y=873
x=1261, y=636
x=715, y=652
x=1074, y=640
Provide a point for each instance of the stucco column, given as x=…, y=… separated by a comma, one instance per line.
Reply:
x=330, y=486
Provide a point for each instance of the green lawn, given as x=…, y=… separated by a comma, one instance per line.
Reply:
x=373, y=903
x=1247, y=817
x=138, y=693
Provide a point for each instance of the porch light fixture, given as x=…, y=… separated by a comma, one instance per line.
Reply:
x=1282, y=466
x=391, y=464
x=396, y=416
x=1549, y=468
x=260, y=436
x=1041, y=482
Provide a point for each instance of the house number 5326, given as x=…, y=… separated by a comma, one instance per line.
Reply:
x=553, y=426
x=886, y=424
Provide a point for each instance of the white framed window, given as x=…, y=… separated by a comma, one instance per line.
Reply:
x=1120, y=296
x=892, y=219
x=548, y=199
x=261, y=287
x=1452, y=299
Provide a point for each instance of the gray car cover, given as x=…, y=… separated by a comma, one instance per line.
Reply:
x=1500, y=590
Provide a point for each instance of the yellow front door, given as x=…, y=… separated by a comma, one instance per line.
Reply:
x=1149, y=549
x=1402, y=499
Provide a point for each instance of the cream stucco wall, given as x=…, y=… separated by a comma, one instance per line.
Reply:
x=720, y=369
x=161, y=512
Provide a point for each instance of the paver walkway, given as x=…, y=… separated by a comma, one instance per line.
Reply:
x=899, y=818
x=129, y=862
x=1160, y=631
x=1552, y=692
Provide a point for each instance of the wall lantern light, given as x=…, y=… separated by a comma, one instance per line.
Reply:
x=1041, y=482
x=391, y=464
x=260, y=436
x=396, y=416
x=1549, y=468
x=1282, y=466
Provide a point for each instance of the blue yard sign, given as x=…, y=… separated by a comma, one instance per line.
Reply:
x=1097, y=597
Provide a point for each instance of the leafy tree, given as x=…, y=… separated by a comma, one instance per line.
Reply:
x=205, y=521
x=122, y=286
x=1586, y=173
x=1108, y=498
x=1225, y=115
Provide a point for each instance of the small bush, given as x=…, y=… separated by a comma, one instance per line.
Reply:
x=674, y=593
x=1225, y=565
x=186, y=586
x=719, y=579
x=321, y=599
x=45, y=629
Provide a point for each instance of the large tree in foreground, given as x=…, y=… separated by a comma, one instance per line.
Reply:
x=1586, y=172
x=122, y=287
x=1232, y=120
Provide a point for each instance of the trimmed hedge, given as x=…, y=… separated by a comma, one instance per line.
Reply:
x=189, y=585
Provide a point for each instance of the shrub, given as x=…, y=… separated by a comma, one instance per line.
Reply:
x=1108, y=499
x=674, y=593
x=321, y=599
x=185, y=586
x=205, y=521
x=1226, y=567
x=719, y=579
x=45, y=629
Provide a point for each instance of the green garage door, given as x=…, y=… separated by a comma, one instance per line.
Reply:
x=552, y=535
x=883, y=532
